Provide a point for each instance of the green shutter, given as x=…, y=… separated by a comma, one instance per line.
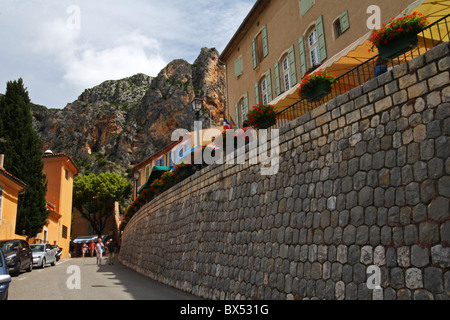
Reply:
x=321, y=39
x=305, y=5
x=276, y=70
x=256, y=93
x=265, y=42
x=236, y=115
x=302, y=56
x=344, y=21
x=269, y=85
x=246, y=105
x=254, y=54
x=292, y=69
x=238, y=67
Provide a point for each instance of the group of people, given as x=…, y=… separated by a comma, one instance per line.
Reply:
x=99, y=248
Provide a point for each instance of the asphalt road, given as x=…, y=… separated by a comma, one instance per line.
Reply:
x=83, y=279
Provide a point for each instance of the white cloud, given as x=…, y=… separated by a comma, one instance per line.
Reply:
x=115, y=39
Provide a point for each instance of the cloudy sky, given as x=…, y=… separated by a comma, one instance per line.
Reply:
x=61, y=47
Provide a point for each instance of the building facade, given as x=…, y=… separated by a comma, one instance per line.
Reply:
x=60, y=171
x=282, y=40
x=10, y=189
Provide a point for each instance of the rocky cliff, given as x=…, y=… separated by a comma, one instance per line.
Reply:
x=120, y=123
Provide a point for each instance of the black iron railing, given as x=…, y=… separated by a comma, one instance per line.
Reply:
x=435, y=34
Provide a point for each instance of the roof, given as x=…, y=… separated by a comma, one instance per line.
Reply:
x=62, y=155
x=259, y=6
x=12, y=178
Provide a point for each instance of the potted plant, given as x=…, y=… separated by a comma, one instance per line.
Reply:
x=399, y=36
x=262, y=117
x=316, y=86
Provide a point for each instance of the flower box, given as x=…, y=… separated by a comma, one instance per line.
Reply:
x=316, y=86
x=399, y=36
x=398, y=46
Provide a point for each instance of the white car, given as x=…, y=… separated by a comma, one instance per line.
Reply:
x=43, y=253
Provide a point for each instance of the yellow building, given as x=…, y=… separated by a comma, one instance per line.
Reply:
x=60, y=170
x=282, y=40
x=10, y=189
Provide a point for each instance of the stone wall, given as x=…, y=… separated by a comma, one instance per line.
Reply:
x=363, y=180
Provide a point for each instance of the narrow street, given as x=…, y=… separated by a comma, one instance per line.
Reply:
x=83, y=279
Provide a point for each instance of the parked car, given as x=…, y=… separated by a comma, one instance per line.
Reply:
x=18, y=256
x=43, y=253
x=5, y=278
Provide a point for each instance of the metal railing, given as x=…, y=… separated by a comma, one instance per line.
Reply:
x=435, y=34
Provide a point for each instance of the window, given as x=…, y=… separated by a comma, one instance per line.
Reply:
x=64, y=232
x=67, y=174
x=264, y=93
x=313, y=43
x=286, y=73
x=241, y=110
x=337, y=28
x=260, y=47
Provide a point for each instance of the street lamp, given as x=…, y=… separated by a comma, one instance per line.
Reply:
x=197, y=105
x=136, y=177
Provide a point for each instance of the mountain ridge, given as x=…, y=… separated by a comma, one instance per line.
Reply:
x=119, y=123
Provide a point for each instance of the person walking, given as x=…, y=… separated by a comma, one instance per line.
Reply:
x=84, y=249
x=111, y=246
x=99, y=249
x=92, y=247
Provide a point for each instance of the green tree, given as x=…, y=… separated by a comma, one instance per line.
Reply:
x=23, y=157
x=94, y=197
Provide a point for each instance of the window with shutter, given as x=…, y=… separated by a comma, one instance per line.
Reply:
x=344, y=21
x=238, y=67
x=260, y=47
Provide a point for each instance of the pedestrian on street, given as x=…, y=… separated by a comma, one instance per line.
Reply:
x=99, y=248
x=111, y=245
x=92, y=247
x=84, y=249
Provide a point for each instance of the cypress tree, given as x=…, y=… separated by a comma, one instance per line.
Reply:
x=23, y=157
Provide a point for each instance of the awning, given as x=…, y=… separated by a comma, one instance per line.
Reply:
x=156, y=173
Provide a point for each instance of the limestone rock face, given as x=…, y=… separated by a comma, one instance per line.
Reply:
x=125, y=121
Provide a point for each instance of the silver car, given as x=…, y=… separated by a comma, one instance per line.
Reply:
x=42, y=254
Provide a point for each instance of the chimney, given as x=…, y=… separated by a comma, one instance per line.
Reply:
x=2, y=160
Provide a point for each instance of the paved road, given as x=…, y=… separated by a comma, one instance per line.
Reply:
x=104, y=282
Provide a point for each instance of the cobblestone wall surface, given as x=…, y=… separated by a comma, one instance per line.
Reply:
x=363, y=181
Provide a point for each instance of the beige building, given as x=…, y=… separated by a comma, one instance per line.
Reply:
x=281, y=40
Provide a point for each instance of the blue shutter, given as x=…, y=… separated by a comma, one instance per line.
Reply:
x=238, y=67
x=305, y=5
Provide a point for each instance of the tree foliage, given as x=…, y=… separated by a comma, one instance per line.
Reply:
x=23, y=157
x=94, y=197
